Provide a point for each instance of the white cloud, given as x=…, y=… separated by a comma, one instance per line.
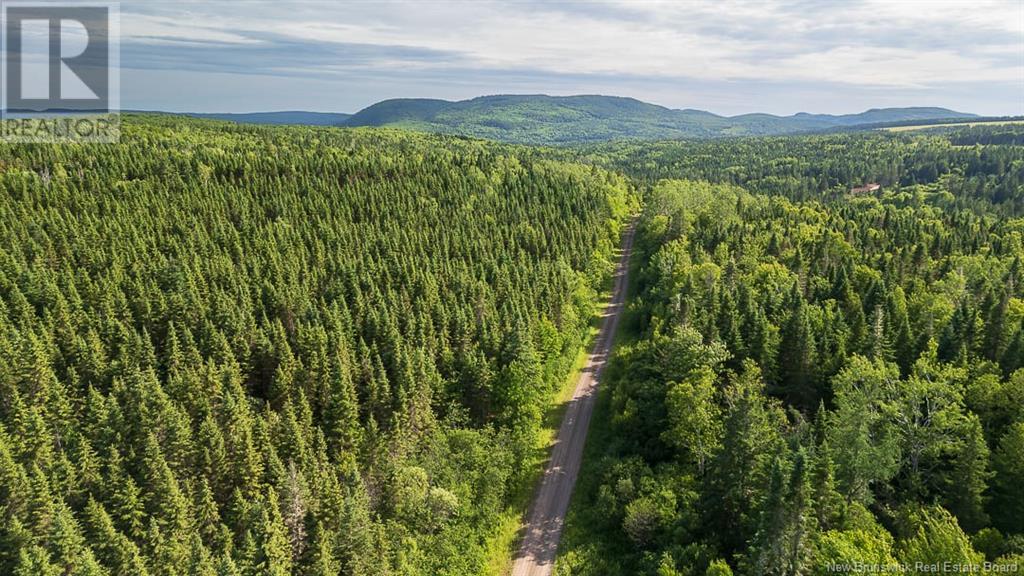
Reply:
x=883, y=44
x=184, y=27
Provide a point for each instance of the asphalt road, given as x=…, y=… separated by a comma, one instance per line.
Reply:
x=536, y=554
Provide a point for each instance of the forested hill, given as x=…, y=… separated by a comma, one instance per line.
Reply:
x=540, y=119
x=248, y=351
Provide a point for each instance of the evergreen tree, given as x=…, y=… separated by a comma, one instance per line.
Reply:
x=751, y=438
x=798, y=357
x=1008, y=462
x=968, y=480
x=113, y=549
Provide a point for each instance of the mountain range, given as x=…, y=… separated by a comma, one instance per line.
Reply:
x=554, y=120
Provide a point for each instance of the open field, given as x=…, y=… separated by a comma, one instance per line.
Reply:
x=954, y=124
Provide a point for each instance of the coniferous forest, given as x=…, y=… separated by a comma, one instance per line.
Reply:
x=263, y=351
x=243, y=351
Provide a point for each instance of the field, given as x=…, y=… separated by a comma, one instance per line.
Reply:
x=954, y=125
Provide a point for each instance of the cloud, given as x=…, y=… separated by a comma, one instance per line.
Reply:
x=272, y=54
x=903, y=47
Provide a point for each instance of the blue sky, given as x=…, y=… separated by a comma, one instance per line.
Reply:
x=726, y=57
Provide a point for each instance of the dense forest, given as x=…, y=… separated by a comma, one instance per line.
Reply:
x=242, y=351
x=232, y=350
x=814, y=379
x=970, y=167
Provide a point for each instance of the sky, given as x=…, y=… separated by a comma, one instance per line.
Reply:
x=779, y=57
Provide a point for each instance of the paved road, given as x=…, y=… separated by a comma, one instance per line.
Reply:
x=536, y=555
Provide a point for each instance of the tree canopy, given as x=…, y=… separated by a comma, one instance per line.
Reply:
x=814, y=376
x=259, y=351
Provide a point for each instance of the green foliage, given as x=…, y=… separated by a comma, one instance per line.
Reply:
x=694, y=421
x=1008, y=461
x=967, y=168
x=718, y=568
x=647, y=516
x=261, y=351
x=937, y=539
x=835, y=375
x=853, y=547
x=250, y=351
x=540, y=119
x=863, y=442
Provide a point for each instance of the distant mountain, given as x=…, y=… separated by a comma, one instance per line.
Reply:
x=541, y=119
x=554, y=120
x=285, y=117
x=396, y=111
x=885, y=115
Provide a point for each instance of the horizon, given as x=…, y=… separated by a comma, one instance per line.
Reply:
x=779, y=58
x=353, y=112
x=511, y=287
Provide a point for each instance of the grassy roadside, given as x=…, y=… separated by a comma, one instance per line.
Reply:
x=501, y=546
x=578, y=539
x=577, y=535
